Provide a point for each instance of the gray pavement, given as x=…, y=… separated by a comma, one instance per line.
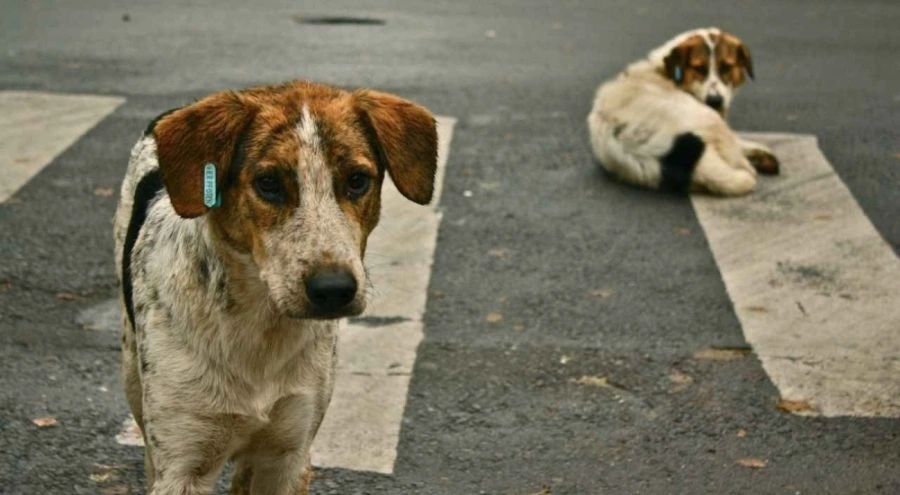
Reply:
x=498, y=407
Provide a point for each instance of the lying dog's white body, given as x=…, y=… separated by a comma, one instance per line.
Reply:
x=240, y=236
x=661, y=122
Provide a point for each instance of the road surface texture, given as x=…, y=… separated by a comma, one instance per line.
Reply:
x=578, y=336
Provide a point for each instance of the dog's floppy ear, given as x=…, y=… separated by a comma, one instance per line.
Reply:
x=191, y=137
x=676, y=62
x=404, y=136
x=745, y=60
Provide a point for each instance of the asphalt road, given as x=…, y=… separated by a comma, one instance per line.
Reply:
x=493, y=407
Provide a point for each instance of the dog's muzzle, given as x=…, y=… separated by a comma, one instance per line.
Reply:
x=716, y=102
x=331, y=292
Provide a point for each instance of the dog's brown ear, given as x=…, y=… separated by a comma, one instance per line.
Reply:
x=676, y=63
x=189, y=138
x=744, y=59
x=405, y=137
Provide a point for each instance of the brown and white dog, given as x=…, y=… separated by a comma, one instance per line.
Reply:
x=661, y=123
x=230, y=306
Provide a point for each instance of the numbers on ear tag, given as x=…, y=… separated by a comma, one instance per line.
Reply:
x=211, y=196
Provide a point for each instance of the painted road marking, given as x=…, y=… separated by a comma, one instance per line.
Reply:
x=816, y=288
x=377, y=352
x=36, y=127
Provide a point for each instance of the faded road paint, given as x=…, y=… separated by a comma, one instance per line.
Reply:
x=816, y=288
x=36, y=127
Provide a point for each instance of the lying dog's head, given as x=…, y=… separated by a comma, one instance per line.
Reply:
x=300, y=168
x=708, y=63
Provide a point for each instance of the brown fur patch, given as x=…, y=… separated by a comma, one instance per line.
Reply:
x=691, y=57
x=764, y=162
x=407, y=138
x=733, y=59
x=189, y=138
x=254, y=131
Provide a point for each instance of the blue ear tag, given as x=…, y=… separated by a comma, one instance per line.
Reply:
x=677, y=74
x=211, y=197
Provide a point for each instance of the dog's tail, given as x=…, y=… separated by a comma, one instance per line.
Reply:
x=677, y=165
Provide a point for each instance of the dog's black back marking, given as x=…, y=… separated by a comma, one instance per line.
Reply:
x=152, y=125
x=677, y=166
x=147, y=189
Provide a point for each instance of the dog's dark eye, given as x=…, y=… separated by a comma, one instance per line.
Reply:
x=269, y=188
x=358, y=184
x=724, y=68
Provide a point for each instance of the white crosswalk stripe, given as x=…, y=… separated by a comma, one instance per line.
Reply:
x=36, y=127
x=816, y=288
x=362, y=424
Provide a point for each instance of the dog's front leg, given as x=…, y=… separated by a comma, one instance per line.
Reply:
x=188, y=450
x=284, y=473
x=761, y=157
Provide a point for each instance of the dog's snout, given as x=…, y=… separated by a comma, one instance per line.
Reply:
x=715, y=101
x=331, y=291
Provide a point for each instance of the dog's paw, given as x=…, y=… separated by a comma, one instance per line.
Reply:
x=764, y=161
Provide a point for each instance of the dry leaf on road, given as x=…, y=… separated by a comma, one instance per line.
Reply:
x=493, y=317
x=794, y=406
x=721, y=353
x=680, y=381
x=752, y=463
x=103, y=192
x=741, y=433
x=68, y=296
x=601, y=293
x=499, y=253
x=45, y=422
x=594, y=381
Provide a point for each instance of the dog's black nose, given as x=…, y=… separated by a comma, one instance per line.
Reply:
x=715, y=101
x=331, y=291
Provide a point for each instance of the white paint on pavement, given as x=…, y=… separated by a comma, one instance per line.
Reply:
x=36, y=127
x=377, y=353
x=816, y=288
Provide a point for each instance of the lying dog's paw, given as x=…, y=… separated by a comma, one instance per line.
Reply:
x=764, y=162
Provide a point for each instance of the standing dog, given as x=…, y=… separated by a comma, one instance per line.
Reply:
x=661, y=123
x=239, y=238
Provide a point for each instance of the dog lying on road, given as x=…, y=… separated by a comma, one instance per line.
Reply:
x=239, y=237
x=661, y=123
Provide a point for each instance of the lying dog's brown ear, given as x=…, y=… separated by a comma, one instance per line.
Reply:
x=744, y=59
x=676, y=63
x=188, y=138
x=405, y=137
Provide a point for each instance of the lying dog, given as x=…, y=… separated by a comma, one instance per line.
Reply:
x=240, y=236
x=661, y=123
